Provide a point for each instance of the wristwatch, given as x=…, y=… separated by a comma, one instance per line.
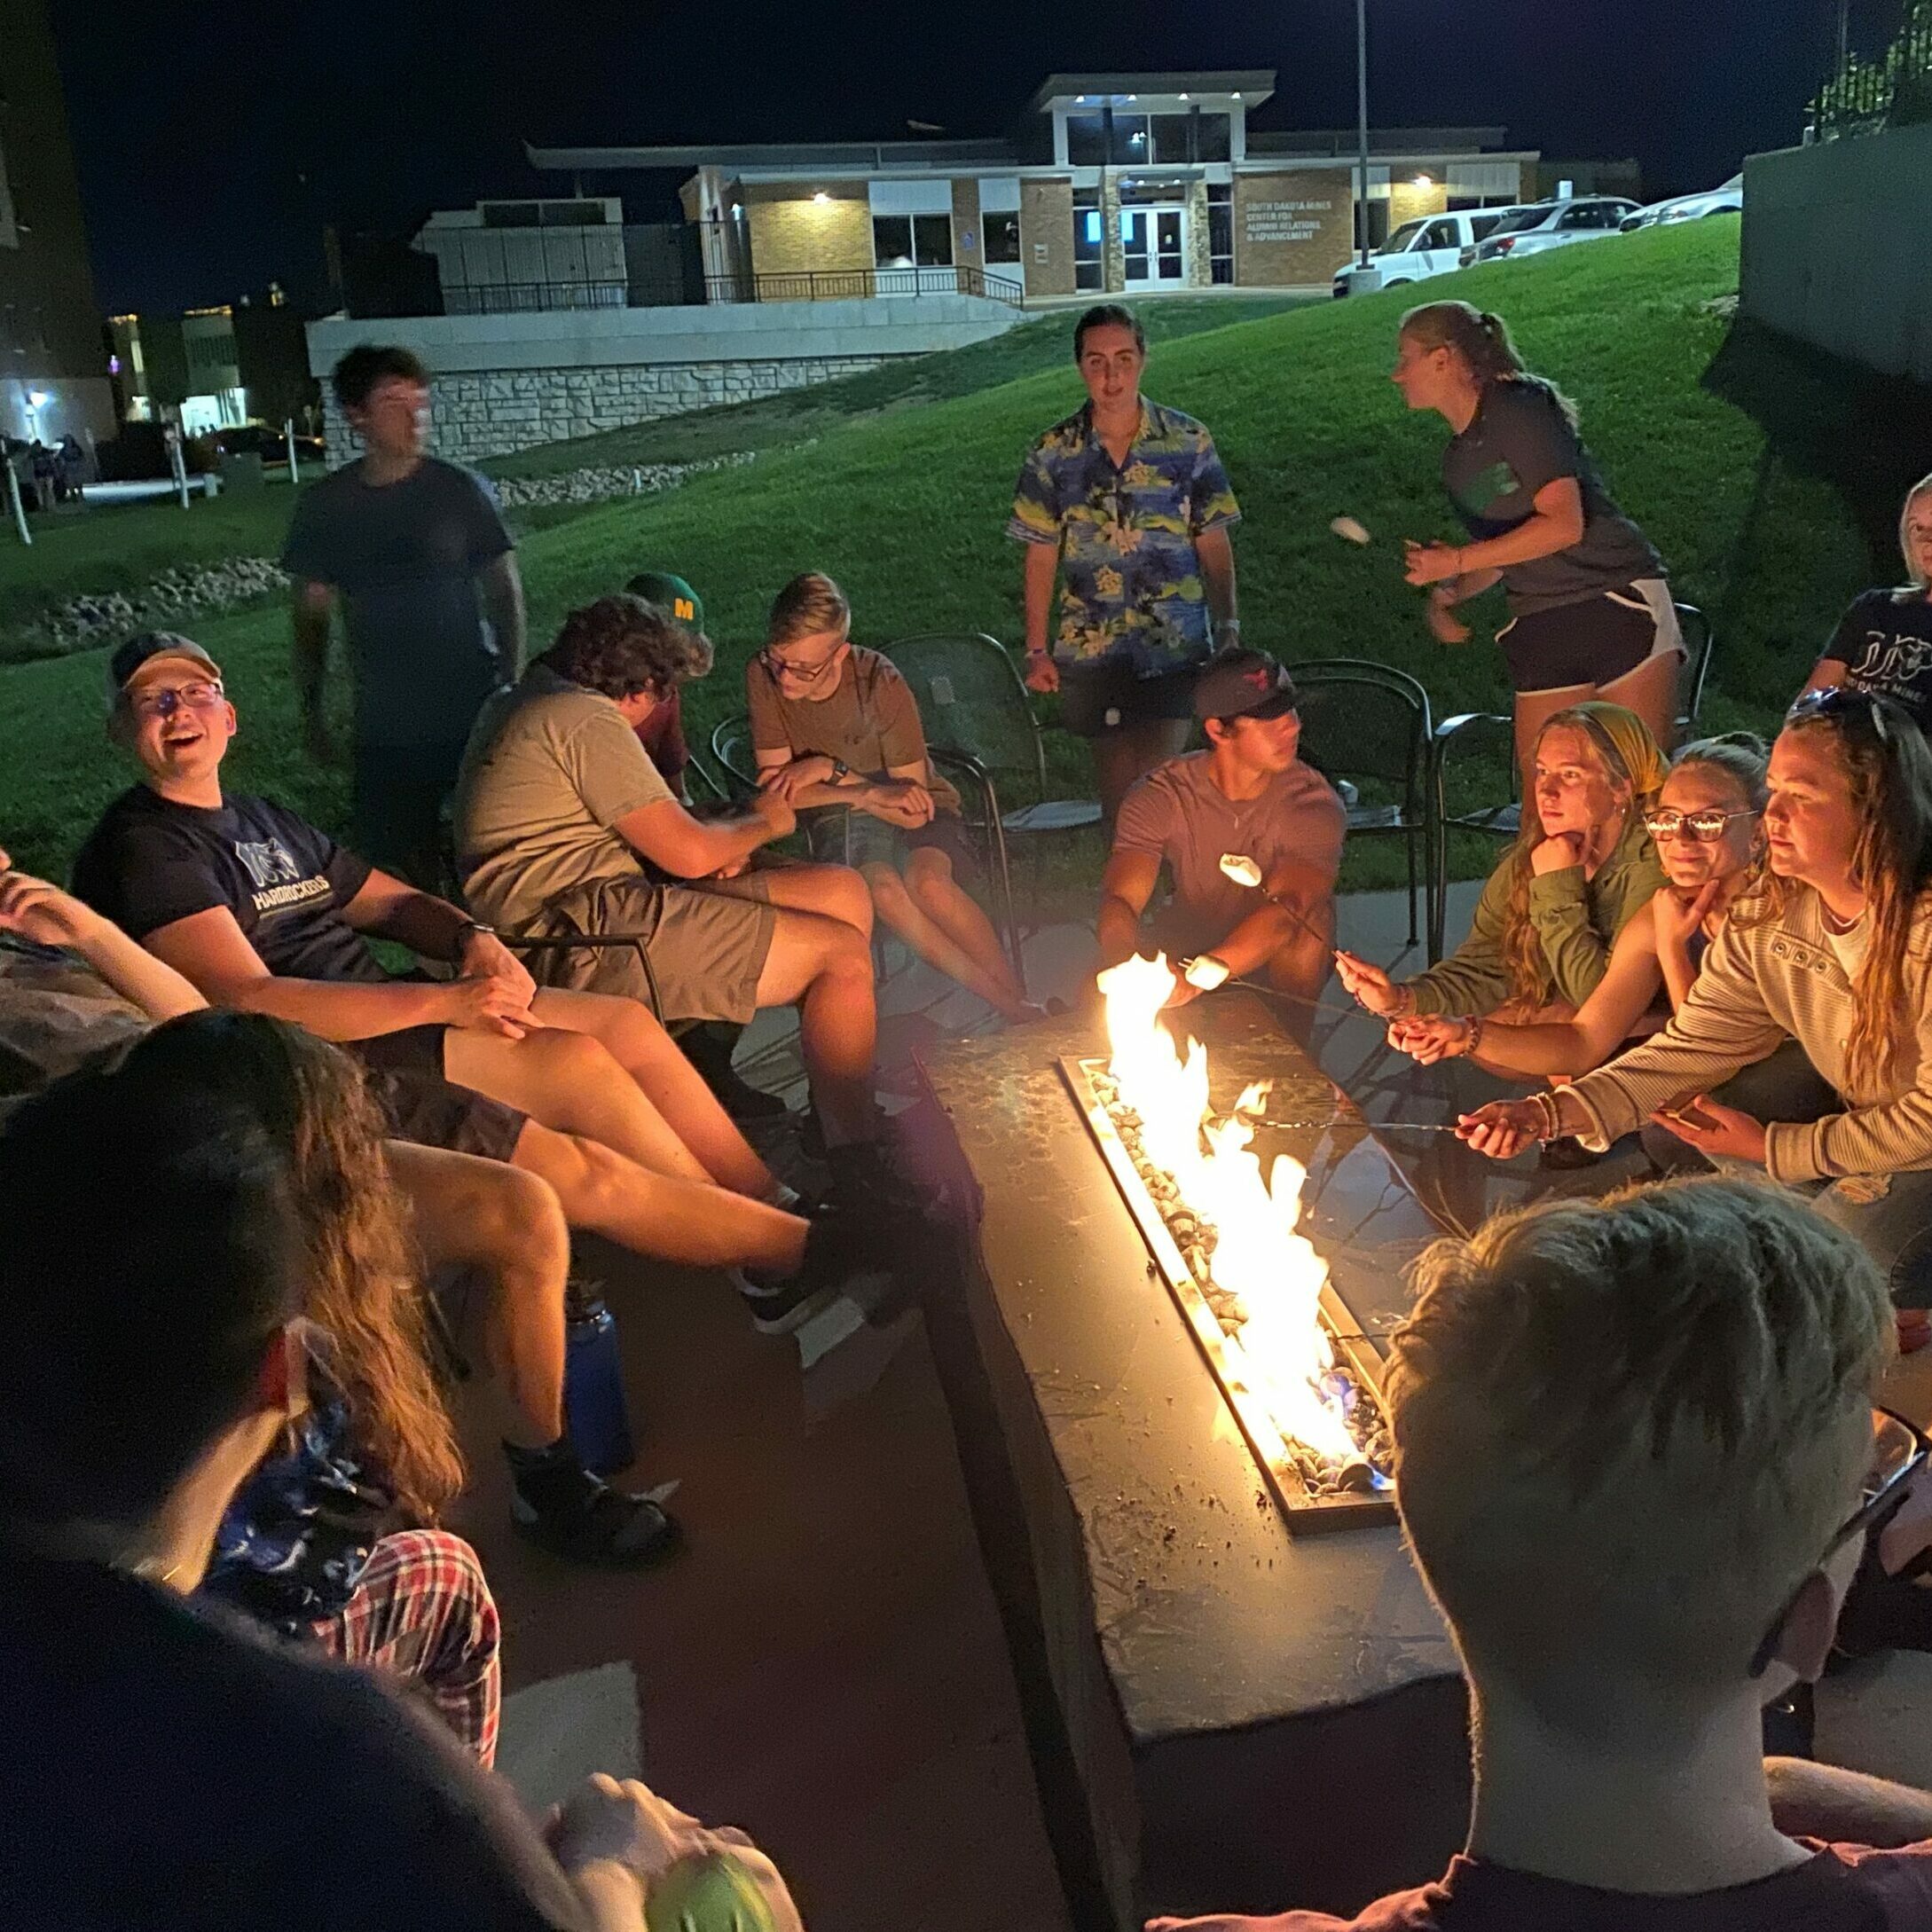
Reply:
x=840, y=771
x=465, y=933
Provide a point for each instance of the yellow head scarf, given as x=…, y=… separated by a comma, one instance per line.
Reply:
x=1641, y=755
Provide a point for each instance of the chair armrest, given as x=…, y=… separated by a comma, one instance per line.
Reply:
x=964, y=765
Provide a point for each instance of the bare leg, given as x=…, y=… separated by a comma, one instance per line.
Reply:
x=569, y=1082
x=640, y=1046
x=824, y=967
x=467, y=1212
x=1651, y=691
x=1300, y=968
x=977, y=959
x=1534, y=711
x=838, y=891
x=669, y=1219
x=1120, y=757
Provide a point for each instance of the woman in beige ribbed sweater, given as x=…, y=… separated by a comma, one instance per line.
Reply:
x=1834, y=950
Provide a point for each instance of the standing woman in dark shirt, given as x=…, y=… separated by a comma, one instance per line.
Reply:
x=1590, y=615
x=1883, y=642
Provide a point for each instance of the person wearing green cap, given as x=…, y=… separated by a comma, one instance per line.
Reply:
x=661, y=733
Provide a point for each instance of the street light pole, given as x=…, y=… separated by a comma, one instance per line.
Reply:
x=1361, y=118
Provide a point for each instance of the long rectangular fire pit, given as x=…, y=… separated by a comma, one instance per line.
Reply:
x=1223, y=1713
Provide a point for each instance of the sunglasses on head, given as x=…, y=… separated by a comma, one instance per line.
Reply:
x=1842, y=702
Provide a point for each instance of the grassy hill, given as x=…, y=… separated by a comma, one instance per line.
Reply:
x=906, y=508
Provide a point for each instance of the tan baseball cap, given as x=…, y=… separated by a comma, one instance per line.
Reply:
x=148, y=651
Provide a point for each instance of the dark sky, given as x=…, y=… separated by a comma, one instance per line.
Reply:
x=215, y=139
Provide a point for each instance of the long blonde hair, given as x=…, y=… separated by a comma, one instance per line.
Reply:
x=1523, y=958
x=1884, y=757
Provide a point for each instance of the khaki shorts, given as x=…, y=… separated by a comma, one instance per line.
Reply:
x=707, y=946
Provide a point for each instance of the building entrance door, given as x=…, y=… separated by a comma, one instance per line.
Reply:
x=1153, y=245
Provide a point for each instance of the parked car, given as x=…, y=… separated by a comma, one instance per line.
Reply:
x=1550, y=224
x=266, y=441
x=1728, y=200
x=1418, y=250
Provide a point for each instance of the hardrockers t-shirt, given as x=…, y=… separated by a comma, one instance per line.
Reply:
x=151, y=863
x=1884, y=641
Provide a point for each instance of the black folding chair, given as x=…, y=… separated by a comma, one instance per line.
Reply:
x=1366, y=726
x=1699, y=642
x=1482, y=746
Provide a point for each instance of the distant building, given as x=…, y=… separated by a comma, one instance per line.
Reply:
x=53, y=376
x=213, y=368
x=1116, y=184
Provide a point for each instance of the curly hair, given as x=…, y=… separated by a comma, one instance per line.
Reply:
x=620, y=646
x=362, y=1284
x=807, y=606
x=1483, y=340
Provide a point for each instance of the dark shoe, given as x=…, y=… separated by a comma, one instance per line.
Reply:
x=579, y=1517
x=709, y=1047
x=838, y=1260
x=865, y=1183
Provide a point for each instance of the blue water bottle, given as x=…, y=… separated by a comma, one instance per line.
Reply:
x=593, y=1401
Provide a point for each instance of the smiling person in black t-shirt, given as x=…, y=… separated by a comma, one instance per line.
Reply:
x=1883, y=642
x=266, y=914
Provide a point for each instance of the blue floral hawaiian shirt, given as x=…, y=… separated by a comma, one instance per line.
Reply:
x=1130, y=578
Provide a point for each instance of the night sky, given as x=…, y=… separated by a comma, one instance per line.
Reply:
x=215, y=139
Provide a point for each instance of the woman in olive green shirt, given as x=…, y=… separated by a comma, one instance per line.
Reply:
x=1581, y=867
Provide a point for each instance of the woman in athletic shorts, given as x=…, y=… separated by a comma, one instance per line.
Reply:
x=1591, y=615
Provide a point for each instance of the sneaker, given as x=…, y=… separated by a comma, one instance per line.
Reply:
x=835, y=1263
x=866, y=1182
x=579, y=1517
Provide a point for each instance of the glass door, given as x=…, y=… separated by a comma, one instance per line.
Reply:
x=1154, y=246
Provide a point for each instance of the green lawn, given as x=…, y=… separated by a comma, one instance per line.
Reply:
x=906, y=508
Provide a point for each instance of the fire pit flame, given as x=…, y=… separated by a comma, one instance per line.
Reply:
x=1273, y=1272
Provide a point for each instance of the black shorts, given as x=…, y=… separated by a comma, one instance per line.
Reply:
x=399, y=792
x=1098, y=697
x=1594, y=642
x=406, y=1075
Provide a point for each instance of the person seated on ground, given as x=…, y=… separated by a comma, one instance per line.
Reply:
x=836, y=733
x=154, y=1354
x=1883, y=642
x=1637, y=1462
x=558, y=813
x=1707, y=827
x=264, y=913
x=1249, y=796
x=74, y=986
x=1582, y=868
x=1831, y=949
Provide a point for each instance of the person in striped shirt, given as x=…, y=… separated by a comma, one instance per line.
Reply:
x=1834, y=949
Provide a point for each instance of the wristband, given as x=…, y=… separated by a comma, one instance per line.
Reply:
x=465, y=933
x=1038, y=650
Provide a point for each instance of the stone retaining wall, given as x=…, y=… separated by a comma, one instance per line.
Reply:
x=491, y=413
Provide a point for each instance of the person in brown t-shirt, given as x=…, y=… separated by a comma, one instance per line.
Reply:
x=1248, y=795
x=1637, y=1465
x=836, y=732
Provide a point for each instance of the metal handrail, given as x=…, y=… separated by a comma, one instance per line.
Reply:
x=679, y=291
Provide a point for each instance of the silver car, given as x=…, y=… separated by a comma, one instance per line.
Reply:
x=1551, y=224
x=1728, y=200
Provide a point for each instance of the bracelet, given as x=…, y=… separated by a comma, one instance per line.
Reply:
x=1472, y=1034
x=1038, y=650
x=465, y=933
x=1546, y=1105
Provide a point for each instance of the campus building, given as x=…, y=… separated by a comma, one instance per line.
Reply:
x=1116, y=184
x=53, y=374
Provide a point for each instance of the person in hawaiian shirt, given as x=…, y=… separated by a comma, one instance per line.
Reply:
x=1125, y=505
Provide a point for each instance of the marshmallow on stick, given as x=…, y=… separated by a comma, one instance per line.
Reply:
x=1350, y=530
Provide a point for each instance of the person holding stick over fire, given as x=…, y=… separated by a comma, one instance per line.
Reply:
x=1250, y=795
x=1590, y=615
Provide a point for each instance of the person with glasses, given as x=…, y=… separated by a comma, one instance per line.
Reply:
x=1125, y=506
x=1707, y=827
x=1883, y=642
x=263, y=912
x=564, y=827
x=156, y=1354
x=1582, y=868
x=1637, y=1465
x=1830, y=949
x=836, y=733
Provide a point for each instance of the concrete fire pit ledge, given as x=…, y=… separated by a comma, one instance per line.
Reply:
x=1221, y=1715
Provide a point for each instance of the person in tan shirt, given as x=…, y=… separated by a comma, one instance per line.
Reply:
x=1835, y=949
x=836, y=730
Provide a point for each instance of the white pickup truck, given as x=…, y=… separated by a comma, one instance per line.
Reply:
x=1432, y=245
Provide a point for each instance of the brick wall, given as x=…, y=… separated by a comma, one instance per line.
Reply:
x=1047, y=236
x=1407, y=203
x=1292, y=229
x=969, y=240
x=1112, y=248
x=791, y=232
x=492, y=412
x=1200, y=265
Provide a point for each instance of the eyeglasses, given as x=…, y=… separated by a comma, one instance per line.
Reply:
x=1899, y=1450
x=1841, y=701
x=203, y=695
x=1706, y=826
x=800, y=673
